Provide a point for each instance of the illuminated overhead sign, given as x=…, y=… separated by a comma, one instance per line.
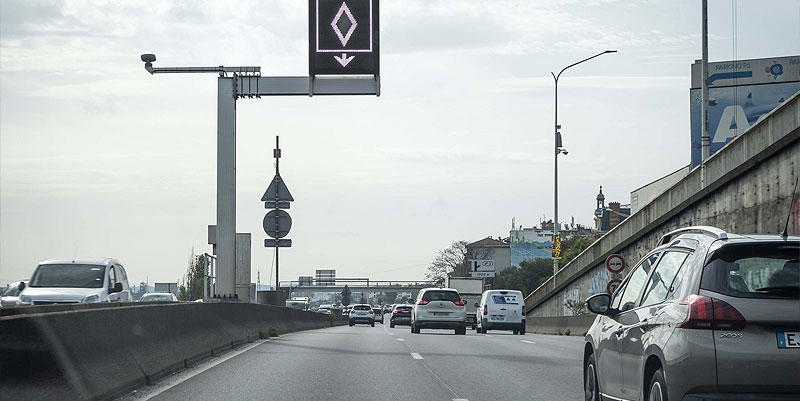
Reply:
x=343, y=37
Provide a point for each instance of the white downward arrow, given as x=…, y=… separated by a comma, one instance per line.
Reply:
x=344, y=60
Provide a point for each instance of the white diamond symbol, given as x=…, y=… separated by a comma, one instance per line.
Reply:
x=346, y=37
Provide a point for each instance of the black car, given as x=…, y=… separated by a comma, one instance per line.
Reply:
x=401, y=315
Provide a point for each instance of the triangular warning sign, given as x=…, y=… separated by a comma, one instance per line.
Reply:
x=277, y=186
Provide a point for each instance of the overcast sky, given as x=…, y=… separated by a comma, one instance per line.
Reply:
x=99, y=158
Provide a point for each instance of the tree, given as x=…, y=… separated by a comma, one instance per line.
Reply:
x=390, y=297
x=573, y=247
x=529, y=276
x=192, y=286
x=451, y=261
x=576, y=307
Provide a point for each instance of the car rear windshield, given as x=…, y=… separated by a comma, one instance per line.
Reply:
x=402, y=308
x=451, y=296
x=11, y=291
x=154, y=298
x=377, y=310
x=362, y=307
x=769, y=270
x=505, y=299
x=68, y=275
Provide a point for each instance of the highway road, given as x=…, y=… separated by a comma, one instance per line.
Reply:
x=381, y=363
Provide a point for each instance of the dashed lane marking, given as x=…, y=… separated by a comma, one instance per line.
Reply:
x=416, y=355
x=529, y=342
x=400, y=339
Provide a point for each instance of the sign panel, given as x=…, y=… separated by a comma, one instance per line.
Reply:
x=615, y=263
x=483, y=274
x=343, y=37
x=740, y=93
x=279, y=228
x=556, y=248
x=482, y=265
x=612, y=286
x=277, y=188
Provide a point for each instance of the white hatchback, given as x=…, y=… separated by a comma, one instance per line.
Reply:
x=501, y=310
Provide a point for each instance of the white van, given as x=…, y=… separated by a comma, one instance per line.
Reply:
x=501, y=310
x=72, y=281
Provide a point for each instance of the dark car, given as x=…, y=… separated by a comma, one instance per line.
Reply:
x=401, y=315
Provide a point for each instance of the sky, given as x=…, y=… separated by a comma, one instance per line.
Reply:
x=100, y=158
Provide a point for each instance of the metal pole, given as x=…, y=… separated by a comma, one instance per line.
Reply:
x=277, y=220
x=705, y=139
x=205, y=277
x=555, y=180
x=226, y=186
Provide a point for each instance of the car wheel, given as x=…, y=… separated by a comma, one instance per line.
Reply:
x=372, y=324
x=391, y=325
x=516, y=332
x=590, y=389
x=351, y=324
x=658, y=387
x=461, y=331
x=522, y=331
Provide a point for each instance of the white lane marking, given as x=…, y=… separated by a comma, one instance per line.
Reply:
x=529, y=342
x=391, y=334
x=400, y=339
x=487, y=335
x=460, y=399
x=416, y=355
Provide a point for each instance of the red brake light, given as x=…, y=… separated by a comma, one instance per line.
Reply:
x=459, y=302
x=523, y=310
x=371, y=312
x=422, y=302
x=352, y=311
x=708, y=313
x=485, y=309
x=394, y=312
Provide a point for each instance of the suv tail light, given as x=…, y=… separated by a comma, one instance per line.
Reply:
x=485, y=309
x=371, y=312
x=459, y=302
x=352, y=311
x=708, y=313
x=422, y=302
x=394, y=312
x=523, y=310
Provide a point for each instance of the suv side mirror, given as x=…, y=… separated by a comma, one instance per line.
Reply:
x=21, y=285
x=117, y=288
x=599, y=304
x=477, y=305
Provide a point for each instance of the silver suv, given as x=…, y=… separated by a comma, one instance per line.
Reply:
x=706, y=315
x=439, y=308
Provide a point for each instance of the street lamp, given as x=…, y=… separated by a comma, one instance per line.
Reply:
x=560, y=149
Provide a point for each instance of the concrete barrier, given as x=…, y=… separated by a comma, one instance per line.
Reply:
x=101, y=353
x=577, y=325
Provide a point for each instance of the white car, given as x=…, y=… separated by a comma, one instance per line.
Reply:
x=72, y=281
x=10, y=295
x=158, y=297
x=362, y=313
x=439, y=308
x=501, y=310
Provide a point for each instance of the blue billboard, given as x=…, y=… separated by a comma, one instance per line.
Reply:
x=526, y=249
x=740, y=93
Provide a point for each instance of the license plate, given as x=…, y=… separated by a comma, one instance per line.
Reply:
x=498, y=317
x=789, y=339
x=441, y=313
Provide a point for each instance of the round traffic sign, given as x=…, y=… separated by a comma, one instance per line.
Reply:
x=615, y=263
x=612, y=286
x=277, y=223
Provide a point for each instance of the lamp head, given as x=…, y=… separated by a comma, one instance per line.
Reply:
x=148, y=61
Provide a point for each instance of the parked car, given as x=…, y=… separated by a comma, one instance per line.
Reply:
x=158, y=297
x=439, y=308
x=67, y=281
x=362, y=313
x=705, y=315
x=10, y=295
x=401, y=315
x=501, y=310
x=378, y=313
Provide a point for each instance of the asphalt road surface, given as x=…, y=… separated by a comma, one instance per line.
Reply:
x=381, y=363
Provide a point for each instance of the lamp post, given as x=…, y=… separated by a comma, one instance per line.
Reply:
x=560, y=149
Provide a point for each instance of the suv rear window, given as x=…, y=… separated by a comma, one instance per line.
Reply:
x=403, y=308
x=451, y=296
x=362, y=307
x=770, y=270
x=510, y=299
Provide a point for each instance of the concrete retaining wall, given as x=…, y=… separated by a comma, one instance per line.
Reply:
x=576, y=325
x=745, y=187
x=101, y=353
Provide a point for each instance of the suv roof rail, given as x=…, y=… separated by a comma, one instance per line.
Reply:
x=707, y=230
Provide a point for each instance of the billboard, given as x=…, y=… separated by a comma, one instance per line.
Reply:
x=526, y=249
x=740, y=93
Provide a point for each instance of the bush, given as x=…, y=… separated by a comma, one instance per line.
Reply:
x=568, y=332
x=273, y=332
x=262, y=334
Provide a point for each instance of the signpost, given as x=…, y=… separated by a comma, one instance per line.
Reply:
x=615, y=264
x=353, y=24
x=277, y=222
x=482, y=268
